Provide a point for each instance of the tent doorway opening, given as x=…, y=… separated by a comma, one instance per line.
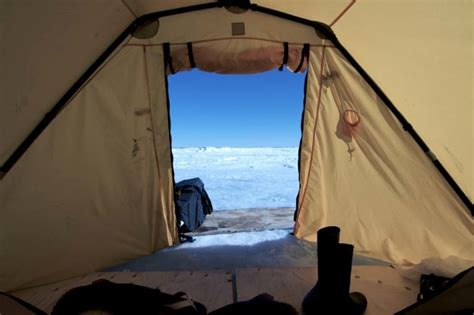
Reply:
x=240, y=135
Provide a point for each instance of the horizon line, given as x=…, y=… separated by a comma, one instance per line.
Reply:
x=234, y=147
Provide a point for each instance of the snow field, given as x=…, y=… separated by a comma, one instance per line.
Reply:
x=242, y=178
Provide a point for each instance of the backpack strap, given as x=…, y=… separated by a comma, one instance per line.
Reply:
x=207, y=202
x=183, y=238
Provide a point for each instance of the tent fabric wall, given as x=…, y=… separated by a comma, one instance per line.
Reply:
x=419, y=52
x=46, y=46
x=191, y=27
x=83, y=163
x=88, y=194
x=371, y=178
x=157, y=94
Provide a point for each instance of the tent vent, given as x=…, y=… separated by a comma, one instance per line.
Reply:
x=147, y=29
x=238, y=29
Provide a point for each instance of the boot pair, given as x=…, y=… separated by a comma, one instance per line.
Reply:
x=331, y=294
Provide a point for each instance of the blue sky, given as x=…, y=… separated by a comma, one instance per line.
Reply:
x=252, y=110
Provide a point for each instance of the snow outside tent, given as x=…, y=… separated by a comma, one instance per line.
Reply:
x=74, y=199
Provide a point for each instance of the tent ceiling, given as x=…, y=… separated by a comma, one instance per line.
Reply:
x=420, y=53
x=317, y=10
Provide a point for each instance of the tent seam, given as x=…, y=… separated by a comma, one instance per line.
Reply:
x=232, y=38
x=303, y=114
x=172, y=227
x=318, y=107
x=342, y=13
x=154, y=149
x=98, y=71
x=129, y=9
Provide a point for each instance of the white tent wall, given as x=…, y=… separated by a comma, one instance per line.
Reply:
x=190, y=27
x=88, y=194
x=157, y=85
x=46, y=46
x=419, y=52
x=371, y=178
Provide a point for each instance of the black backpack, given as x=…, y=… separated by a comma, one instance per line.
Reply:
x=192, y=204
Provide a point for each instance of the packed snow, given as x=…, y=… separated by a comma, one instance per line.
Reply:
x=242, y=178
x=236, y=239
x=267, y=249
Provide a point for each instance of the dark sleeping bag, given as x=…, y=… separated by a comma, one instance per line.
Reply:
x=125, y=299
x=192, y=204
x=131, y=299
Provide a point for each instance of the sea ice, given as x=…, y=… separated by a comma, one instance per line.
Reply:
x=241, y=178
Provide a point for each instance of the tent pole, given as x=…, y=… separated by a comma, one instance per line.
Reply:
x=322, y=29
x=326, y=32
x=49, y=117
x=64, y=100
x=406, y=125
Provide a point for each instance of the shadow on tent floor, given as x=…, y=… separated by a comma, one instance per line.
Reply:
x=386, y=291
x=217, y=270
x=264, y=249
x=276, y=262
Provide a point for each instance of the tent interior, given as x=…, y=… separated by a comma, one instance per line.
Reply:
x=81, y=79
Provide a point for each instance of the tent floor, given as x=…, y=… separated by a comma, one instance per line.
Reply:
x=222, y=242
x=217, y=270
x=386, y=291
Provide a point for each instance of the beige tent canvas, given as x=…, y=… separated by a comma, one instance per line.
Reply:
x=81, y=79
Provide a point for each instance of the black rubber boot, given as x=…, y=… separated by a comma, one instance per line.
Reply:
x=331, y=295
x=353, y=303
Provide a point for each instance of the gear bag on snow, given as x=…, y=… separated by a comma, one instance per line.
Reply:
x=192, y=204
